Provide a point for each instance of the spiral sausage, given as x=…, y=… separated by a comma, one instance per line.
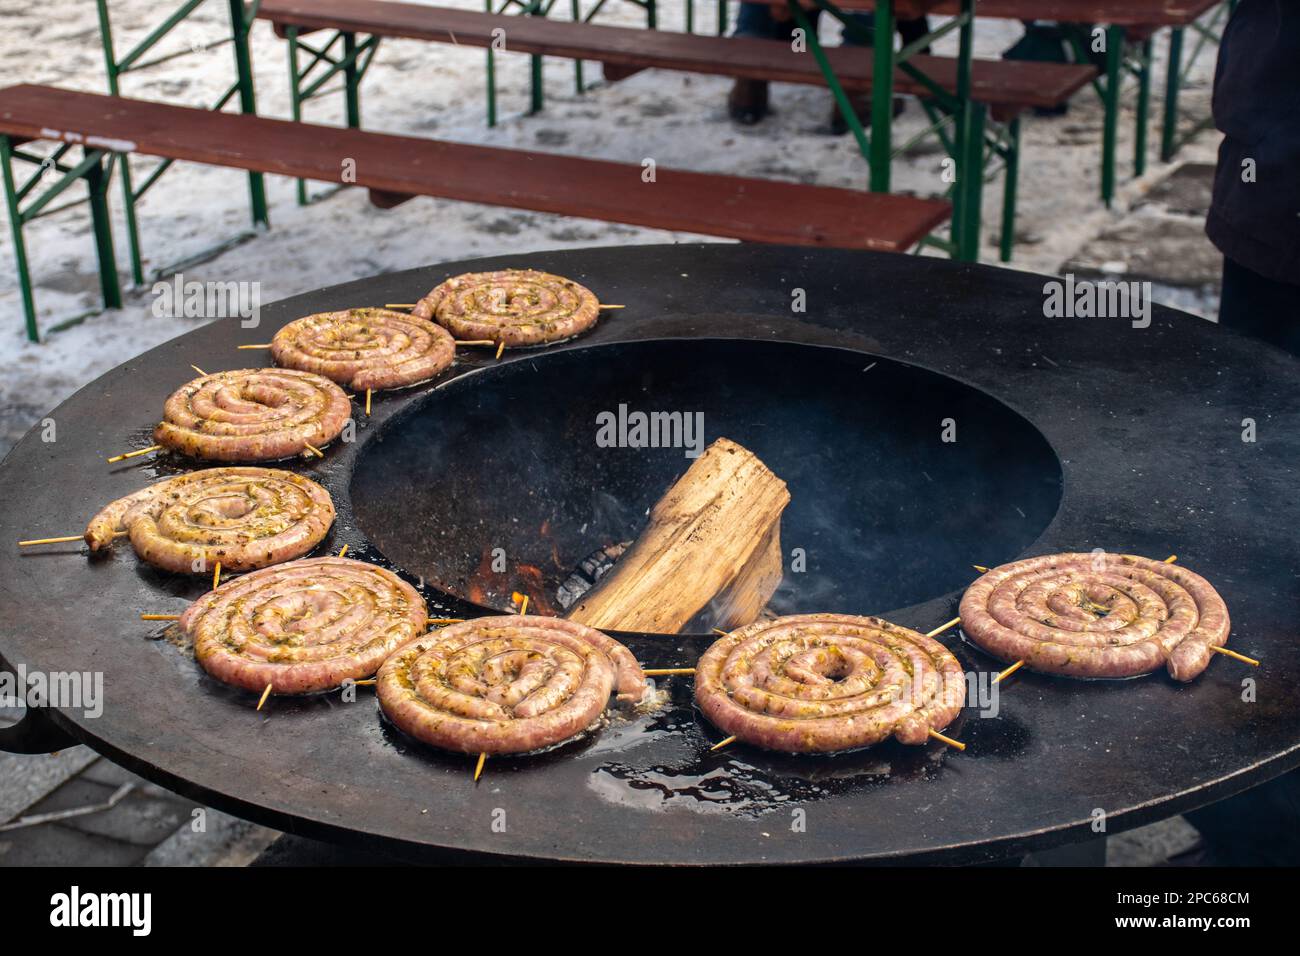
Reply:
x=514, y=306
x=365, y=348
x=1096, y=615
x=246, y=518
x=253, y=414
x=506, y=684
x=818, y=683
x=304, y=626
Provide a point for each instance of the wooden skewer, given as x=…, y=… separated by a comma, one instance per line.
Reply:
x=314, y=450
x=980, y=568
x=365, y=683
x=1233, y=654
x=668, y=671
x=160, y=617
x=343, y=550
x=475, y=342
x=947, y=740
x=1009, y=671
x=199, y=370
x=134, y=454
x=523, y=606
x=265, y=694
x=722, y=743
x=446, y=620
x=1171, y=559
x=501, y=347
x=943, y=627
x=718, y=630
x=63, y=540
x=266, y=346
x=478, y=770
x=605, y=305
x=216, y=576
x=401, y=305
x=367, y=403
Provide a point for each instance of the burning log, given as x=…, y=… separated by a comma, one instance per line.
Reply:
x=713, y=542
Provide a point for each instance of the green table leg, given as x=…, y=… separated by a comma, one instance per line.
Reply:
x=491, y=79
x=239, y=26
x=295, y=97
x=968, y=140
x=20, y=248
x=1011, y=174
x=882, y=95
x=1173, y=77
x=97, y=184
x=1143, y=109
x=722, y=17
x=351, y=90
x=1114, y=59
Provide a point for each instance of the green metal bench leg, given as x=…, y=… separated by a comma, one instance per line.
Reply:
x=97, y=184
x=295, y=97
x=240, y=26
x=690, y=16
x=575, y=11
x=1143, y=109
x=1114, y=58
x=1011, y=174
x=20, y=248
x=651, y=15
x=882, y=95
x=1169, y=123
x=967, y=195
x=351, y=84
x=722, y=17
x=837, y=88
x=128, y=189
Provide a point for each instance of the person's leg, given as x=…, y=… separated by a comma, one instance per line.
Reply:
x=747, y=102
x=1259, y=306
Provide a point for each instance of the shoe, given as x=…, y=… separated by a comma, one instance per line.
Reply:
x=861, y=103
x=747, y=102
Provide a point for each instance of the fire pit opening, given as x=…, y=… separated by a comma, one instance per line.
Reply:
x=530, y=477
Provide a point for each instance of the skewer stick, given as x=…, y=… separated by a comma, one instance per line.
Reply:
x=259, y=346
x=216, y=576
x=265, y=694
x=314, y=450
x=63, y=540
x=980, y=568
x=957, y=744
x=446, y=620
x=369, y=681
x=343, y=550
x=722, y=743
x=501, y=347
x=475, y=342
x=943, y=627
x=478, y=769
x=401, y=305
x=668, y=671
x=1233, y=654
x=1171, y=559
x=160, y=617
x=134, y=454
x=367, y=403
x=1009, y=671
x=199, y=370
x=718, y=630
x=604, y=305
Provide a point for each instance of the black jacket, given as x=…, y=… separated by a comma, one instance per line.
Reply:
x=1257, y=107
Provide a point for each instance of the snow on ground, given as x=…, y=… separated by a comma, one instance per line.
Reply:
x=437, y=91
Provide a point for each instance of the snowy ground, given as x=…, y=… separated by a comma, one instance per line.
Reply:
x=437, y=91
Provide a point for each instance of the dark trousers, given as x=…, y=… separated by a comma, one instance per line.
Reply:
x=756, y=20
x=1262, y=307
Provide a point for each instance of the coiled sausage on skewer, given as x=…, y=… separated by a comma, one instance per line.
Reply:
x=246, y=518
x=365, y=348
x=304, y=626
x=827, y=682
x=1096, y=615
x=507, y=684
x=253, y=414
x=514, y=306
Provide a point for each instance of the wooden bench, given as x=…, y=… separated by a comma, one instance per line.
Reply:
x=395, y=168
x=1006, y=86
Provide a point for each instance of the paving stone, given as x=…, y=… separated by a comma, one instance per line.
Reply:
x=1153, y=844
x=138, y=818
x=26, y=778
x=110, y=774
x=1151, y=247
x=1186, y=191
x=227, y=841
x=77, y=792
x=55, y=845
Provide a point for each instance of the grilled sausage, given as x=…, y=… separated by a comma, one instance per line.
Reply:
x=246, y=518
x=365, y=348
x=1096, y=615
x=257, y=414
x=506, y=684
x=304, y=626
x=827, y=682
x=514, y=306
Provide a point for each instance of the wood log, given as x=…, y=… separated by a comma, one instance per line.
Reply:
x=711, y=552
